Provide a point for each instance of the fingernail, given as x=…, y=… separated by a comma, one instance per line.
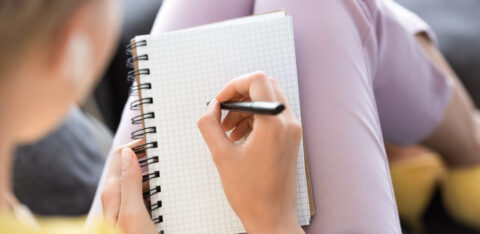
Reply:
x=212, y=104
x=126, y=158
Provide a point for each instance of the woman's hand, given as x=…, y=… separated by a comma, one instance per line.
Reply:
x=259, y=174
x=122, y=196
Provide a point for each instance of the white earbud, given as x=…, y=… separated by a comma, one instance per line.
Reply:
x=79, y=60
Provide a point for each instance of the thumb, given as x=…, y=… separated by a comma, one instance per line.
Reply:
x=131, y=182
x=211, y=129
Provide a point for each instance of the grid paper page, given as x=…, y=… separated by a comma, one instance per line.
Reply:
x=187, y=69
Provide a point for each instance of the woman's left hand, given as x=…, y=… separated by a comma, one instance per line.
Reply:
x=122, y=196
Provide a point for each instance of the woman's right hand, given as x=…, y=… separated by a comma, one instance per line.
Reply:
x=259, y=174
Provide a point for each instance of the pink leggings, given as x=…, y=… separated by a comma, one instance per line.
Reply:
x=363, y=79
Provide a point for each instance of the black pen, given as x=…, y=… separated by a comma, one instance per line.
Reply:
x=262, y=108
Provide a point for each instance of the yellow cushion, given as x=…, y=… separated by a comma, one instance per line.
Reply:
x=461, y=195
x=414, y=181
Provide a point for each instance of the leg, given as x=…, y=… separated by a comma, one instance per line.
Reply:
x=178, y=14
x=351, y=181
x=350, y=191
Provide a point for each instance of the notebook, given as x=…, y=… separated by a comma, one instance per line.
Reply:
x=176, y=73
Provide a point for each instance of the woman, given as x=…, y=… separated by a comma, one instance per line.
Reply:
x=52, y=58
x=368, y=72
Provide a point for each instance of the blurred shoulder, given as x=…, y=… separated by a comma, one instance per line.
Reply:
x=12, y=225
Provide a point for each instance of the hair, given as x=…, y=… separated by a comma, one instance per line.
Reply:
x=24, y=24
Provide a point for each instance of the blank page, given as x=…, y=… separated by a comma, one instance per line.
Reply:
x=187, y=69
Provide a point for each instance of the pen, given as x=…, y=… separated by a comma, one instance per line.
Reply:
x=262, y=108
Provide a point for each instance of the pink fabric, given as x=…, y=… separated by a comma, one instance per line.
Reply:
x=362, y=77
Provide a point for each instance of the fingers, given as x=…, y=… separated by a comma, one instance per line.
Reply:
x=233, y=118
x=293, y=125
x=111, y=199
x=111, y=192
x=134, y=143
x=279, y=93
x=281, y=97
x=114, y=169
x=133, y=216
x=242, y=129
x=131, y=180
x=255, y=86
x=212, y=131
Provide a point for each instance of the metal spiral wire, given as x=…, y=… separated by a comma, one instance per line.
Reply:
x=139, y=119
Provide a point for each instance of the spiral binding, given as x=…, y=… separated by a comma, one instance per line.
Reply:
x=131, y=75
x=137, y=104
x=143, y=147
x=148, y=161
x=140, y=133
x=139, y=119
x=152, y=192
x=135, y=88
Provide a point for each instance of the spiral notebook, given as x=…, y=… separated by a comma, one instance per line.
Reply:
x=176, y=73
